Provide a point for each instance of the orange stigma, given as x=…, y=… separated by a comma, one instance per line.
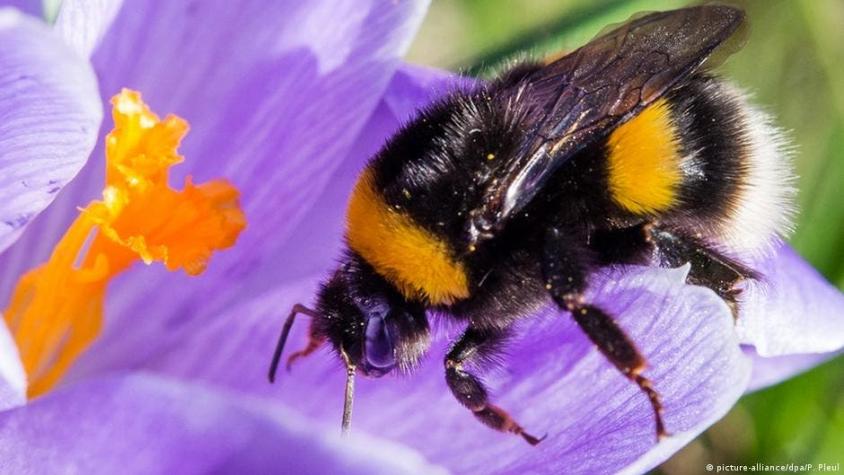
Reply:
x=56, y=310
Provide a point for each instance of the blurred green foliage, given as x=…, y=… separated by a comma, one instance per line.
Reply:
x=792, y=64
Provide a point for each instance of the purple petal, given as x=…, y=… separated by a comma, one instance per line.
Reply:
x=770, y=370
x=794, y=310
x=82, y=23
x=12, y=376
x=277, y=94
x=554, y=380
x=50, y=114
x=415, y=86
x=30, y=7
x=145, y=424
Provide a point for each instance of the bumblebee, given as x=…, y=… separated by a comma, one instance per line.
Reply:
x=507, y=195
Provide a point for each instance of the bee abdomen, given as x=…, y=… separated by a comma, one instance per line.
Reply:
x=737, y=178
x=704, y=159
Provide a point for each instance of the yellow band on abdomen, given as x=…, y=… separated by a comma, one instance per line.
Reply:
x=644, y=161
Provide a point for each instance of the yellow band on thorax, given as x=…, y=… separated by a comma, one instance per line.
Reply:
x=411, y=258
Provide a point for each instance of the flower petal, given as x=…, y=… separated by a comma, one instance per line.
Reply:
x=554, y=380
x=51, y=113
x=82, y=23
x=12, y=376
x=770, y=370
x=144, y=424
x=793, y=310
x=277, y=94
x=30, y=7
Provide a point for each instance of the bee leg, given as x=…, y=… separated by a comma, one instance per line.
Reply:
x=565, y=267
x=709, y=267
x=473, y=348
x=617, y=347
x=643, y=243
x=313, y=344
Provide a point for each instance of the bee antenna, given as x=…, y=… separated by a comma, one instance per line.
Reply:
x=350, y=393
x=285, y=331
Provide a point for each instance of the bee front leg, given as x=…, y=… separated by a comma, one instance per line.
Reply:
x=565, y=266
x=473, y=348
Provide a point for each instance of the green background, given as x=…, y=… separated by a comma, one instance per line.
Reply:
x=793, y=63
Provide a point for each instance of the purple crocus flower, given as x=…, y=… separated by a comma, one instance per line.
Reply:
x=288, y=100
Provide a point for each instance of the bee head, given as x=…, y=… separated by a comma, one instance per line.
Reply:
x=369, y=322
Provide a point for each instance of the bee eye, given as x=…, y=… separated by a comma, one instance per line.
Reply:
x=378, y=348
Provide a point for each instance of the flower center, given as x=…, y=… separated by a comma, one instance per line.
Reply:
x=56, y=310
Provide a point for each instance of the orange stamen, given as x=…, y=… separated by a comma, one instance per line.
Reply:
x=56, y=310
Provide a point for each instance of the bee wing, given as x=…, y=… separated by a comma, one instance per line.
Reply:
x=581, y=96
